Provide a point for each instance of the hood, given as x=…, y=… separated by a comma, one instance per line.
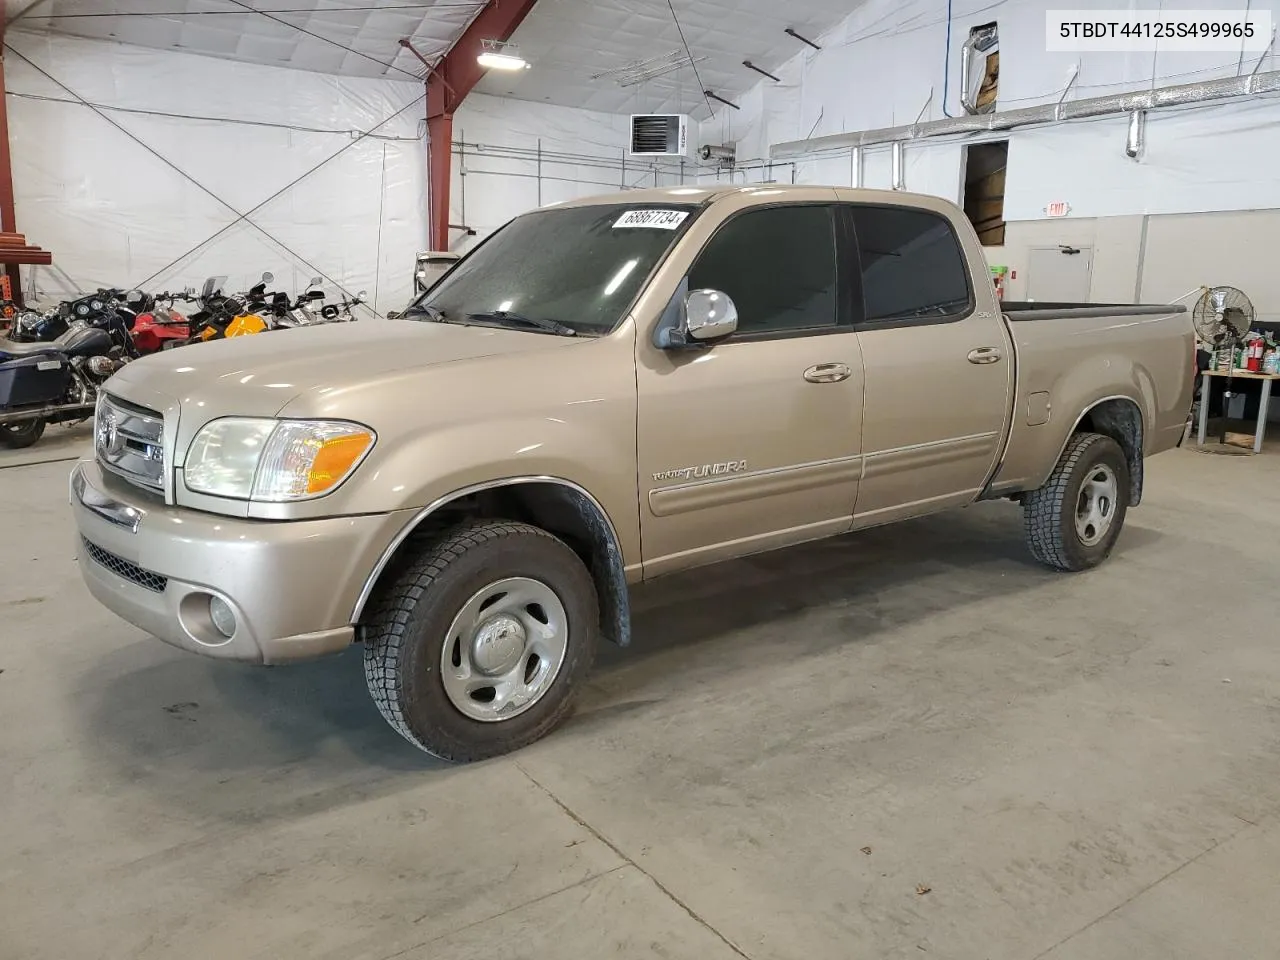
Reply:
x=258, y=375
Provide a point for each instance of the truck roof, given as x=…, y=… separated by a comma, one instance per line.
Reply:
x=767, y=193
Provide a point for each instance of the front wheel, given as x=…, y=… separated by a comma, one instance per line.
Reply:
x=26, y=433
x=481, y=643
x=1073, y=520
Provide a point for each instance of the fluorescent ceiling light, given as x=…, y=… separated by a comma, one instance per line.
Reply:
x=502, y=61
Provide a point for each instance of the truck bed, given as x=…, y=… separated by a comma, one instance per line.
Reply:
x=1092, y=354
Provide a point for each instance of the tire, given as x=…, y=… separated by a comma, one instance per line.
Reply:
x=26, y=433
x=1075, y=491
x=442, y=603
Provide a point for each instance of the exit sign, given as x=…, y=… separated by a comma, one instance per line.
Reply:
x=1057, y=208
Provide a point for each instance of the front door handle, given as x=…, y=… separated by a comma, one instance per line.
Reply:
x=828, y=373
x=984, y=355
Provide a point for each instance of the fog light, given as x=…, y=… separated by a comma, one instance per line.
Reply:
x=223, y=617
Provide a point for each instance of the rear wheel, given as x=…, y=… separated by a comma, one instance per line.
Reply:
x=27, y=433
x=1073, y=520
x=481, y=643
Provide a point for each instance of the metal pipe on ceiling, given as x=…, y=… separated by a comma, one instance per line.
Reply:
x=1183, y=94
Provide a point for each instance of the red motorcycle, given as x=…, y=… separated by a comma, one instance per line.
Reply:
x=159, y=326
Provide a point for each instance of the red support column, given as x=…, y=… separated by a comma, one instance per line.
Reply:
x=8, y=217
x=440, y=141
x=448, y=83
x=439, y=161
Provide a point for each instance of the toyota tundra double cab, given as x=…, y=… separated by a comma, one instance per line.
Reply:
x=602, y=392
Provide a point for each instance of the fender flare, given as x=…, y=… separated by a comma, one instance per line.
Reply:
x=1134, y=452
x=611, y=582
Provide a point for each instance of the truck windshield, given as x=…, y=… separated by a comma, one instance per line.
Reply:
x=577, y=268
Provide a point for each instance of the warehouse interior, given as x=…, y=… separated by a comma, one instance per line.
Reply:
x=882, y=738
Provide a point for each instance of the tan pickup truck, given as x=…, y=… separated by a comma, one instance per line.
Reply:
x=599, y=393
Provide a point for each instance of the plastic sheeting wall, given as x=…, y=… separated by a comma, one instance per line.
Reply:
x=115, y=214
x=497, y=172
x=885, y=65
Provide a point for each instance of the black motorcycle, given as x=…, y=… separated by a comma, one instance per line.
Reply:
x=30, y=326
x=57, y=381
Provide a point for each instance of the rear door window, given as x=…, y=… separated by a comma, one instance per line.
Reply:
x=913, y=267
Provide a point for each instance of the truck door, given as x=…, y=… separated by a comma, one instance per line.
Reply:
x=753, y=442
x=939, y=366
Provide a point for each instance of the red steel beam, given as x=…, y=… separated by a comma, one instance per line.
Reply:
x=448, y=84
x=8, y=218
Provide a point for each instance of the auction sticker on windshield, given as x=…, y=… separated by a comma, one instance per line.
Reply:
x=653, y=219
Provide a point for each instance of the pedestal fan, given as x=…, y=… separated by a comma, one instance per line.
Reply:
x=1222, y=316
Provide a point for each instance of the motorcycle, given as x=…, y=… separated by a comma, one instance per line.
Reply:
x=218, y=313
x=31, y=326
x=57, y=381
x=159, y=326
x=341, y=311
x=301, y=312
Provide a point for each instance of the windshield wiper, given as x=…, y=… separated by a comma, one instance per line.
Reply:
x=434, y=314
x=506, y=318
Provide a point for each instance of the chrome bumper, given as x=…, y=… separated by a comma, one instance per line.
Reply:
x=292, y=585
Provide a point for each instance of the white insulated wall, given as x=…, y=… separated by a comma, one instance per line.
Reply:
x=511, y=156
x=884, y=66
x=115, y=214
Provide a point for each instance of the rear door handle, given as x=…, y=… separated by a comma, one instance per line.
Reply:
x=827, y=373
x=984, y=355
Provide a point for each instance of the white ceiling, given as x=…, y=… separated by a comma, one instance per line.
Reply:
x=358, y=38
x=567, y=41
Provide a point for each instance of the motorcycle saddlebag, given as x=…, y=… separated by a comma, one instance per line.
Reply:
x=25, y=381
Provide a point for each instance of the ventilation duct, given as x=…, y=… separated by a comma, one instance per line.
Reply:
x=1206, y=91
x=1137, y=134
x=981, y=40
x=724, y=154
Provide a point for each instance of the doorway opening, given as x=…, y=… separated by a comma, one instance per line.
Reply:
x=984, y=168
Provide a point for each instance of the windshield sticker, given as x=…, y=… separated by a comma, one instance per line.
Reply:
x=653, y=219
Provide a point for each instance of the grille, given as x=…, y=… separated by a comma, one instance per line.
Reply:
x=129, y=441
x=123, y=568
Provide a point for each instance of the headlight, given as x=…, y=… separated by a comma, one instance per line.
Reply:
x=274, y=461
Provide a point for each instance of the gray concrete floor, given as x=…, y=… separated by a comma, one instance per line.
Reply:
x=906, y=743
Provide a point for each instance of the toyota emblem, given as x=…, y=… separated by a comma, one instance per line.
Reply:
x=108, y=433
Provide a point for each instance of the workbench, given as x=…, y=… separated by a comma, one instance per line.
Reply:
x=1205, y=392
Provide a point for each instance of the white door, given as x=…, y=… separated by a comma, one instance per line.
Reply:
x=1059, y=274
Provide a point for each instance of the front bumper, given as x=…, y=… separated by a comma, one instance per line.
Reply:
x=292, y=585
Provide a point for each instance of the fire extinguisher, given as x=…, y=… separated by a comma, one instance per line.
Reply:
x=1255, y=355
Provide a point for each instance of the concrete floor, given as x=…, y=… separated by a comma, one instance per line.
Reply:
x=906, y=743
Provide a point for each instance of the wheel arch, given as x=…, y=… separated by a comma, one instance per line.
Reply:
x=1121, y=419
x=559, y=506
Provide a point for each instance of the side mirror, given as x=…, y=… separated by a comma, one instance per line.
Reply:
x=709, y=315
x=268, y=277
x=362, y=296
x=315, y=282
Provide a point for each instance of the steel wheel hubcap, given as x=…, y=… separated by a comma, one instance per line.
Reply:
x=504, y=649
x=1096, y=507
